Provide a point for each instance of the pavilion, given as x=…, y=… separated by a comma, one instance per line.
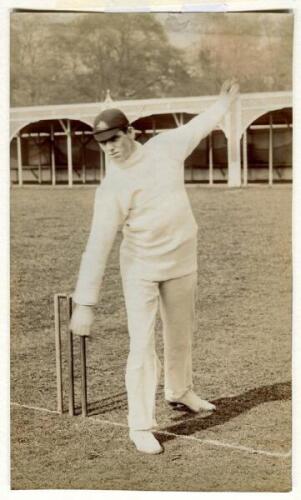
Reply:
x=53, y=144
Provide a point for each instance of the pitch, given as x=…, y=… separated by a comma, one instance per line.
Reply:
x=242, y=352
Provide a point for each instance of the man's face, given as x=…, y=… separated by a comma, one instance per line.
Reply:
x=120, y=147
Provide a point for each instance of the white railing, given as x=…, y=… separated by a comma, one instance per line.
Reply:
x=235, y=124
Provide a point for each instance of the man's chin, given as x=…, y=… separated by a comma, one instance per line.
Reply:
x=119, y=158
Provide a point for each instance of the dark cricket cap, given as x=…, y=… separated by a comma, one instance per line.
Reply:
x=108, y=123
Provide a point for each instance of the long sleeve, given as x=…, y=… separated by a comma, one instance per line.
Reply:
x=107, y=216
x=182, y=140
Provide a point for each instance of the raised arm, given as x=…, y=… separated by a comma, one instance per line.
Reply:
x=184, y=139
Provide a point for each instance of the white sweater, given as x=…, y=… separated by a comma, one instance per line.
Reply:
x=147, y=196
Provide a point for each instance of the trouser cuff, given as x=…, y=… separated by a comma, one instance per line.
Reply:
x=174, y=396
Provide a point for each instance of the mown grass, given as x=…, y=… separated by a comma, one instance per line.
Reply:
x=242, y=349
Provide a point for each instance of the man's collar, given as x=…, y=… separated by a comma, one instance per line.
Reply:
x=135, y=157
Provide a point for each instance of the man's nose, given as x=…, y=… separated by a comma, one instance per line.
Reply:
x=110, y=145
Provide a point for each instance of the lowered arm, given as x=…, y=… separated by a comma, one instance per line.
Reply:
x=107, y=217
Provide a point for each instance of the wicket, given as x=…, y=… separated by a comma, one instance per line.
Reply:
x=58, y=298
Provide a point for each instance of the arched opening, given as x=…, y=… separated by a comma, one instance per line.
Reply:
x=266, y=147
x=56, y=152
x=208, y=163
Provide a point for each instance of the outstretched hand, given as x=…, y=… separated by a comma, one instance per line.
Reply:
x=81, y=320
x=230, y=88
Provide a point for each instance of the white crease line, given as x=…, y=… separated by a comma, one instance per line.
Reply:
x=109, y=422
x=37, y=408
x=228, y=445
x=212, y=442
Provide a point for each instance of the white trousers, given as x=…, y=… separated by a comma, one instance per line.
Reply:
x=176, y=298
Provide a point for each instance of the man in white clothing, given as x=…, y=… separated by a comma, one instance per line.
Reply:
x=144, y=192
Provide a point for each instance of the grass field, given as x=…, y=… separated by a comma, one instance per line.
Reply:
x=242, y=352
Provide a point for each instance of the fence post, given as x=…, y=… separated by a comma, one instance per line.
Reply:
x=19, y=157
x=210, y=159
x=53, y=173
x=245, y=157
x=233, y=135
x=271, y=151
x=69, y=154
x=39, y=158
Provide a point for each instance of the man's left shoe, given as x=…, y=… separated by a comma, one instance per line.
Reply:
x=145, y=442
x=193, y=402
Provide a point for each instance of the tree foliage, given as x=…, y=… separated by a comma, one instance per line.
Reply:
x=256, y=48
x=79, y=61
x=69, y=58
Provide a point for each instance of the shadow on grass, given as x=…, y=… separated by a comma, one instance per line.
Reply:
x=228, y=408
x=106, y=405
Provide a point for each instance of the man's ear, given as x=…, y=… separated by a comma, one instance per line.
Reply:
x=131, y=132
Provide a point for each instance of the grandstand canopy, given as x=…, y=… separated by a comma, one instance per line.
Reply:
x=280, y=117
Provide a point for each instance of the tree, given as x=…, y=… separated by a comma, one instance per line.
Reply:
x=129, y=54
x=69, y=58
x=77, y=61
x=36, y=59
x=254, y=48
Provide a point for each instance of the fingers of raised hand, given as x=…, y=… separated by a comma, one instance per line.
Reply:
x=230, y=87
x=224, y=87
x=234, y=88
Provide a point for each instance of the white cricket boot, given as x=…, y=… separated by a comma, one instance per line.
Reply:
x=145, y=442
x=193, y=402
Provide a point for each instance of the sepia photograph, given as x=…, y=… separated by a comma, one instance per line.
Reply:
x=151, y=177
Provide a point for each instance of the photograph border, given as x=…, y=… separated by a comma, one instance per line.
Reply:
x=123, y=6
